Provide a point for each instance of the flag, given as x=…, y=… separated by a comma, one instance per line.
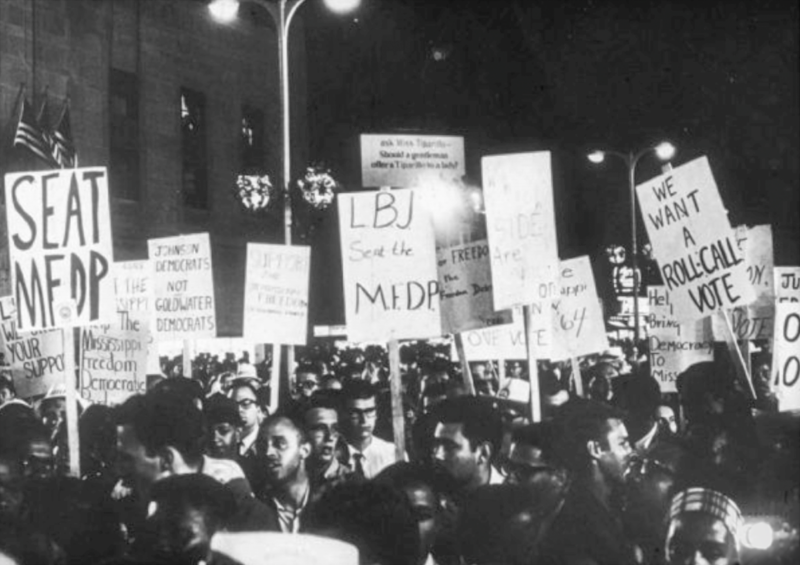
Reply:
x=63, y=148
x=29, y=134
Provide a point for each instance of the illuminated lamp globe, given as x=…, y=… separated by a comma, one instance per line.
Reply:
x=224, y=11
x=342, y=6
x=758, y=536
x=596, y=157
x=665, y=151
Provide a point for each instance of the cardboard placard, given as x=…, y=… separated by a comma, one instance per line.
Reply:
x=391, y=286
x=276, y=293
x=693, y=242
x=60, y=246
x=403, y=161
x=134, y=286
x=465, y=280
x=36, y=359
x=674, y=345
x=506, y=341
x=786, y=355
x=787, y=284
x=113, y=359
x=183, y=288
x=578, y=325
x=518, y=193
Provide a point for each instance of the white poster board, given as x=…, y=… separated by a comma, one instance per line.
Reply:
x=674, y=345
x=36, y=358
x=786, y=356
x=276, y=293
x=134, y=286
x=183, y=288
x=465, y=279
x=578, y=324
x=402, y=161
x=787, y=284
x=518, y=194
x=693, y=241
x=391, y=287
x=506, y=341
x=61, y=252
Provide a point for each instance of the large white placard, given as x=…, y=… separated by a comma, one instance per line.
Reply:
x=518, y=192
x=403, y=161
x=506, y=341
x=786, y=356
x=36, y=358
x=391, y=287
x=276, y=293
x=693, y=241
x=183, y=288
x=133, y=282
x=59, y=236
x=465, y=279
x=674, y=345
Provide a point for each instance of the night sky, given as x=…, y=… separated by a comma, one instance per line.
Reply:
x=716, y=78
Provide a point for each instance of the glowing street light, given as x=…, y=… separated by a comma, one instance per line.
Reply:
x=664, y=151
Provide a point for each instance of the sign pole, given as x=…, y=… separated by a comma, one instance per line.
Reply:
x=533, y=369
x=466, y=373
x=73, y=440
x=738, y=360
x=576, y=376
x=398, y=420
x=187, y=358
x=275, y=378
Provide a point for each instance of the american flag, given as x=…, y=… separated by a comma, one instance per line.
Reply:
x=62, y=147
x=30, y=135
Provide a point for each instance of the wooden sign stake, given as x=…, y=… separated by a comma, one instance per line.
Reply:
x=187, y=358
x=275, y=378
x=466, y=373
x=396, y=386
x=738, y=360
x=73, y=440
x=576, y=376
x=533, y=369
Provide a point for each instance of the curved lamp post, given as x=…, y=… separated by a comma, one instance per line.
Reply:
x=282, y=12
x=663, y=151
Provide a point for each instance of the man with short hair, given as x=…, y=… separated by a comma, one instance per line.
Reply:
x=288, y=489
x=307, y=380
x=466, y=440
x=594, y=443
x=222, y=427
x=244, y=392
x=321, y=423
x=368, y=454
x=532, y=463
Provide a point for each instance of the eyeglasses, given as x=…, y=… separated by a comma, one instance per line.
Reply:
x=308, y=384
x=523, y=472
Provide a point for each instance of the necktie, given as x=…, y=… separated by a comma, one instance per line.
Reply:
x=359, y=466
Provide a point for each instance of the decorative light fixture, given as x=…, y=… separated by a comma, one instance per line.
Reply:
x=318, y=187
x=255, y=192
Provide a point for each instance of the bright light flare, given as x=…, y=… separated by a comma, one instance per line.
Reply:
x=442, y=200
x=342, y=6
x=224, y=11
x=758, y=536
x=596, y=157
x=665, y=151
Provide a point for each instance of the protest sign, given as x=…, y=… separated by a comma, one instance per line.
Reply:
x=403, y=160
x=693, y=242
x=506, y=341
x=113, y=359
x=787, y=284
x=134, y=289
x=786, y=355
x=578, y=325
x=59, y=236
x=391, y=287
x=183, y=288
x=36, y=358
x=674, y=345
x=518, y=193
x=276, y=293
x=465, y=280
x=756, y=320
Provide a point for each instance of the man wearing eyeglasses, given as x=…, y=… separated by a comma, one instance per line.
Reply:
x=368, y=454
x=244, y=394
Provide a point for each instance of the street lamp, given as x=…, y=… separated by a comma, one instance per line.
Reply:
x=282, y=12
x=663, y=151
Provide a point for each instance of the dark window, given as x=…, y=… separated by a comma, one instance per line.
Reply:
x=193, y=134
x=124, y=134
x=252, y=140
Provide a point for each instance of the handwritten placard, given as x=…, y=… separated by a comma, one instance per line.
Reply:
x=786, y=355
x=578, y=325
x=36, y=358
x=674, y=345
x=402, y=161
x=465, y=280
x=113, y=359
x=183, y=288
x=276, y=293
x=518, y=193
x=506, y=341
x=59, y=236
x=693, y=242
x=787, y=284
x=134, y=289
x=391, y=286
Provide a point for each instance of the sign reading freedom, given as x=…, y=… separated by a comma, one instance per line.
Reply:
x=701, y=264
x=183, y=288
x=59, y=236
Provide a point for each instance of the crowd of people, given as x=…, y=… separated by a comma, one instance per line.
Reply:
x=620, y=474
